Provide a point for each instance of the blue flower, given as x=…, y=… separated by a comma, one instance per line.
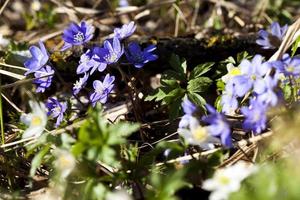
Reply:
x=46, y=80
x=195, y=134
x=251, y=72
x=125, y=31
x=56, y=110
x=77, y=34
x=139, y=57
x=102, y=90
x=110, y=53
x=265, y=90
x=288, y=66
x=189, y=109
x=123, y=3
x=271, y=39
x=255, y=115
x=80, y=84
x=87, y=63
x=229, y=100
x=218, y=126
x=39, y=58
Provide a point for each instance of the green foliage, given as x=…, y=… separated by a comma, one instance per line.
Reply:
x=165, y=186
x=272, y=182
x=100, y=141
x=45, y=16
x=296, y=45
x=177, y=83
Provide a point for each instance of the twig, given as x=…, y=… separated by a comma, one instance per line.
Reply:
x=4, y=6
x=11, y=103
x=14, y=66
x=205, y=153
x=21, y=82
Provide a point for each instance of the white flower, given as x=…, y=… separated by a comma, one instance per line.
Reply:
x=118, y=195
x=3, y=41
x=64, y=163
x=228, y=180
x=36, y=5
x=195, y=134
x=232, y=71
x=36, y=120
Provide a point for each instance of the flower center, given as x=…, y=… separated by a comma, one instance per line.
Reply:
x=200, y=134
x=84, y=58
x=79, y=37
x=111, y=58
x=235, y=71
x=224, y=180
x=139, y=57
x=253, y=77
x=36, y=121
x=56, y=110
x=65, y=162
x=100, y=90
x=290, y=68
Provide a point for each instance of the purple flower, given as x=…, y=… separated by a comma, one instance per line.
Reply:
x=110, y=53
x=264, y=90
x=218, y=126
x=125, y=31
x=77, y=34
x=87, y=63
x=229, y=100
x=255, y=116
x=56, y=110
x=80, y=84
x=102, y=90
x=46, y=80
x=251, y=72
x=123, y=3
x=289, y=66
x=139, y=57
x=39, y=58
x=189, y=108
x=271, y=39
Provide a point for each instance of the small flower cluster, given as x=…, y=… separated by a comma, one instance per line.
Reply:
x=259, y=82
x=253, y=79
x=96, y=58
x=251, y=89
x=99, y=58
x=228, y=180
x=216, y=131
x=38, y=64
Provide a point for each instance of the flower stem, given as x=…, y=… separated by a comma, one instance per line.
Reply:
x=1, y=116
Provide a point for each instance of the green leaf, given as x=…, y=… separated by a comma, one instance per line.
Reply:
x=197, y=99
x=201, y=69
x=177, y=64
x=172, y=75
x=296, y=45
x=175, y=108
x=199, y=85
x=166, y=185
x=220, y=85
x=37, y=160
x=177, y=93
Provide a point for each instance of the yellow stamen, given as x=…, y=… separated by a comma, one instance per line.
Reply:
x=224, y=180
x=36, y=121
x=200, y=134
x=235, y=72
